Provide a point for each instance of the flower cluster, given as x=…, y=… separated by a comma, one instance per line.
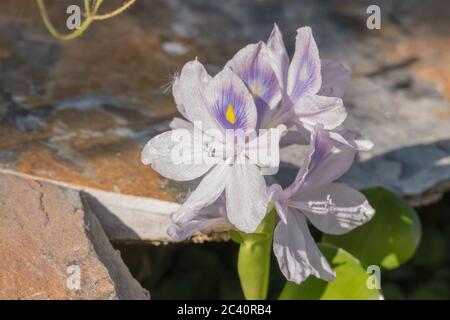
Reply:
x=260, y=88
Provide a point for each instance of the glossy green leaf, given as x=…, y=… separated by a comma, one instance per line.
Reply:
x=351, y=281
x=254, y=258
x=389, y=239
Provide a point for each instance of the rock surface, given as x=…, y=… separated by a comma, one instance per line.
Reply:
x=80, y=111
x=51, y=248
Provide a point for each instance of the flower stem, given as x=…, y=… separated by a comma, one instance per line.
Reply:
x=254, y=257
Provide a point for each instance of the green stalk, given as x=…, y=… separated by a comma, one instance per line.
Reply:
x=254, y=257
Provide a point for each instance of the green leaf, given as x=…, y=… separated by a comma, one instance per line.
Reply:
x=389, y=239
x=254, y=258
x=350, y=283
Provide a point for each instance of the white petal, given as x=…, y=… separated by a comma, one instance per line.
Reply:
x=246, y=197
x=264, y=150
x=335, y=79
x=191, y=79
x=351, y=139
x=278, y=54
x=297, y=252
x=335, y=209
x=313, y=109
x=176, y=155
x=304, y=76
x=189, y=93
x=205, y=218
x=209, y=189
x=178, y=123
x=178, y=97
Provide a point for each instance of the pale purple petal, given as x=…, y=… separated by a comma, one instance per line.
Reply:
x=209, y=189
x=297, y=252
x=304, y=76
x=330, y=160
x=281, y=209
x=252, y=65
x=278, y=196
x=335, y=79
x=351, y=139
x=313, y=109
x=246, y=197
x=274, y=192
x=172, y=154
x=230, y=103
x=279, y=57
x=205, y=218
x=327, y=161
x=334, y=209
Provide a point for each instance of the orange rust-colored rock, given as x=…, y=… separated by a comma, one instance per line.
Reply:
x=50, y=248
x=433, y=58
x=75, y=111
x=110, y=164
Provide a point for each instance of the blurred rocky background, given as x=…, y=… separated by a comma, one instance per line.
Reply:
x=77, y=113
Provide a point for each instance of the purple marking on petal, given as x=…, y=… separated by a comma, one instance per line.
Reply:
x=238, y=103
x=320, y=152
x=329, y=161
x=306, y=71
x=301, y=85
x=321, y=148
x=253, y=66
x=261, y=83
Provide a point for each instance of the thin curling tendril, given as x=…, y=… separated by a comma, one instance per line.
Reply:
x=90, y=13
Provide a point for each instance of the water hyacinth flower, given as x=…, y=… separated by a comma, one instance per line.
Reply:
x=311, y=88
x=333, y=208
x=213, y=104
x=259, y=88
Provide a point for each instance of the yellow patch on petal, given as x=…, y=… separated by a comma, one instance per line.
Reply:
x=230, y=115
x=304, y=72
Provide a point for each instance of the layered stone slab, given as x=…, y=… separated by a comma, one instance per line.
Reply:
x=51, y=247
